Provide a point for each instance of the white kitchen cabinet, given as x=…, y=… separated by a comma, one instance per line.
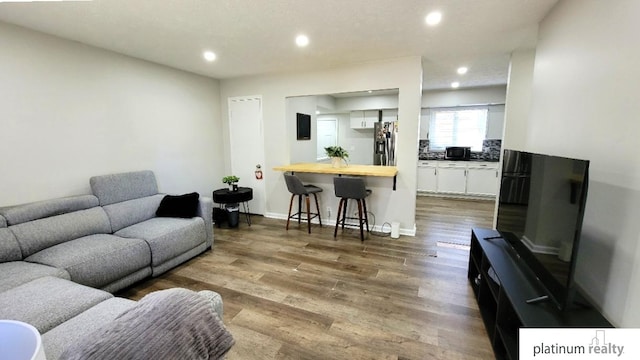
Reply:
x=452, y=178
x=370, y=118
x=357, y=119
x=473, y=178
x=482, y=180
x=427, y=176
x=363, y=119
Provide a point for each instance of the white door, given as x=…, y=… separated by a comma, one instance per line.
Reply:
x=247, y=146
x=327, y=130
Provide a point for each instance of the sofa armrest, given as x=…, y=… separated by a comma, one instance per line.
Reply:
x=205, y=211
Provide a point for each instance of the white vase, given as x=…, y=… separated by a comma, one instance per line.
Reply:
x=336, y=162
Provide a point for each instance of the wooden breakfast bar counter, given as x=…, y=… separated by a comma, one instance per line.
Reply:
x=358, y=170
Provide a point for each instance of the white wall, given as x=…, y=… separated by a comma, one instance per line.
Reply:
x=464, y=97
x=70, y=111
x=518, y=103
x=373, y=102
x=585, y=105
x=302, y=150
x=358, y=142
x=405, y=74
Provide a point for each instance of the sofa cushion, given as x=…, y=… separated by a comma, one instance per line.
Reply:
x=56, y=340
x=36, y=235
x=9, y=247
x=96, y=260
x=3, y=222
x=167, y=237
x=15, y=273
x=35, y=302
x=131, y=212
x=182, y=206
x=42, y=209
x=115, y=188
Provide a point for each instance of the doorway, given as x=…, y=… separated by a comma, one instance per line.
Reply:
x=246, y=144
x=327, y=130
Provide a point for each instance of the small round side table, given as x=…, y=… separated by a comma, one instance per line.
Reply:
x=242, y=196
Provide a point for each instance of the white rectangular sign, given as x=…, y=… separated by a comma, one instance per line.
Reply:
x=583, y=344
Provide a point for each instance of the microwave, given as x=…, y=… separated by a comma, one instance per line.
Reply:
x=457, y=153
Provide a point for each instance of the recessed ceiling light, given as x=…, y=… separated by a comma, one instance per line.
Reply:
x=462, y=70
x=455, y=84
x=433, y=18
x=302, y=40
x=209, y=55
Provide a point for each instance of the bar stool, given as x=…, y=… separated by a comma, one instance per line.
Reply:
x=351, y=188
x=297, y=188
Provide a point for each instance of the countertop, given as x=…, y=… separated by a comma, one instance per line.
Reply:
x=351, y=169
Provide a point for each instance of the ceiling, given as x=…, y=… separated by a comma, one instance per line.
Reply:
x=252, y=37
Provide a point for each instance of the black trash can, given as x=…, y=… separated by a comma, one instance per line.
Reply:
x=233, y=214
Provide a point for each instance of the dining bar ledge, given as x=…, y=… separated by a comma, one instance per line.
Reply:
x=352, y=169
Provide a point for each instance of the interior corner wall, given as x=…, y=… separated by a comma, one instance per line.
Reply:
x=518, y=103
x=584, y=105
x=403, y=73
x=70, y=111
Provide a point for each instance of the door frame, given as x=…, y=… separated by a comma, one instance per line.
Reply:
x=262, y=194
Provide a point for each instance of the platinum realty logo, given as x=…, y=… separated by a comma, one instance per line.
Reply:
x=580, y=344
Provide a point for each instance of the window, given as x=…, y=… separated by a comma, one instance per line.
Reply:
x=458, y=127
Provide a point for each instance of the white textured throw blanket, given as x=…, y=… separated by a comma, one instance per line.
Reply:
x=168, y=324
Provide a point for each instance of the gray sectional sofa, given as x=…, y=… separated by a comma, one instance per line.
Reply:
x=61, y=259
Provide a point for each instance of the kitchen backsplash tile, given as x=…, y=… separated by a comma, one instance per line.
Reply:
x=490, y=151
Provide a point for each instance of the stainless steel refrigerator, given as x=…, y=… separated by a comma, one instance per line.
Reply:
x=516, y=178
x=385, y=136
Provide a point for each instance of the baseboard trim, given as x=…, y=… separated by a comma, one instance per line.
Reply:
x=384, y=228
x=456, y=196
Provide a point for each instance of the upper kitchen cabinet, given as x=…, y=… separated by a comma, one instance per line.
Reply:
x=363, y=119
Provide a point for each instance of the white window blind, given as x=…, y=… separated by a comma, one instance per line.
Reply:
x=458, y=127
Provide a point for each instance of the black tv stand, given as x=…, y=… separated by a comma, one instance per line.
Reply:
x=504, y=291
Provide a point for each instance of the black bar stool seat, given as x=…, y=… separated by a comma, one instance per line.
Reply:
x=297, y=188
x=351, y=188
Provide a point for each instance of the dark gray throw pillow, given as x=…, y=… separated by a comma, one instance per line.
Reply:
x=182, y=206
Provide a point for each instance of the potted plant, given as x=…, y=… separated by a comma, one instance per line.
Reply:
x=232, y=181
x=337, y=155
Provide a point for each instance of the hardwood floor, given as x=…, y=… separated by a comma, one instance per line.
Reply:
x=293, y=295
x=449, y=220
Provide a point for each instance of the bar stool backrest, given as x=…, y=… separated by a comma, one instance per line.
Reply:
x=294, y=185
x=349, y=187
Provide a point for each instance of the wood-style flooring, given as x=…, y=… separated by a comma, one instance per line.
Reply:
x=293, y=295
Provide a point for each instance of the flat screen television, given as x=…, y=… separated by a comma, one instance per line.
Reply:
x=303, y=126
x=540, y=211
